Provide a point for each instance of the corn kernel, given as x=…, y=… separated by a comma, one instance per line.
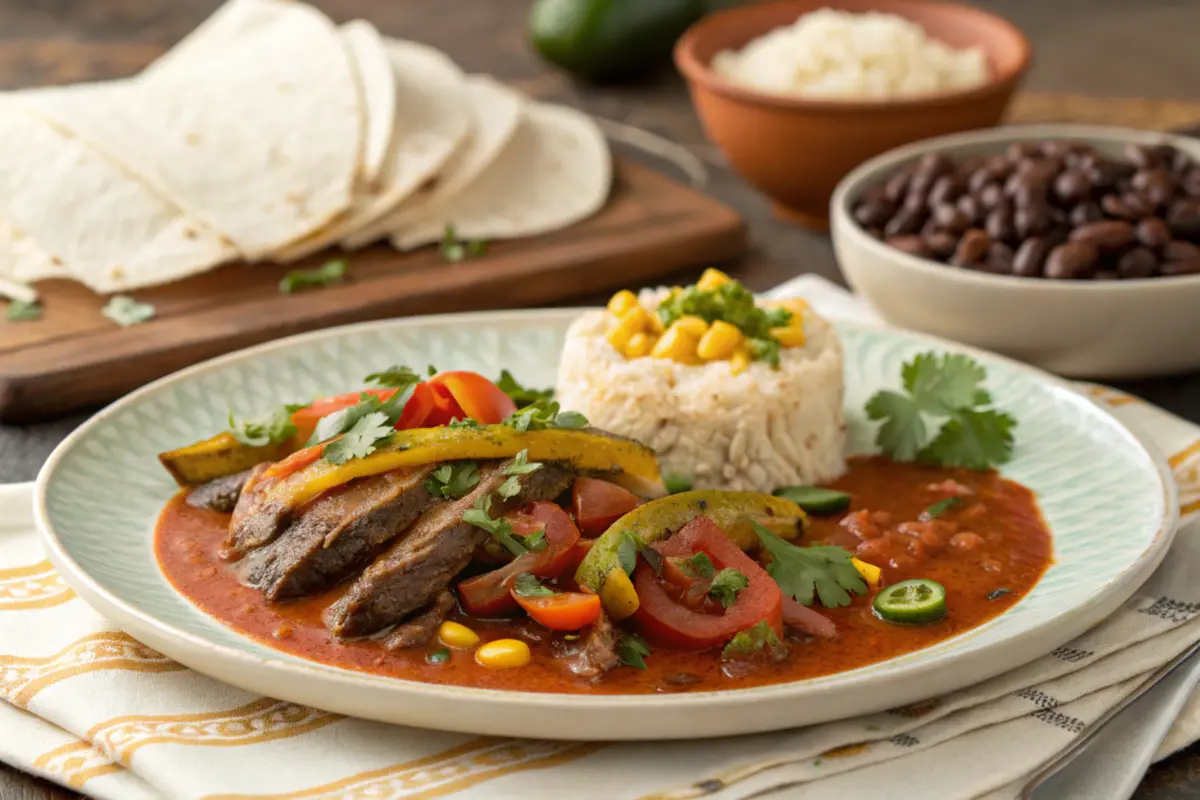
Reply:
x=721, y=341
x=622, y=301
x=656, y=324
x=677, y=345
x=503, y=654
x=636, y=319
x=624, y=327
x=460, y=637
x=694, y=326
x=869, y=572
x=618, y=337
x=791, y=336
x=711, y=280
x=640, y=345
x=739, y=362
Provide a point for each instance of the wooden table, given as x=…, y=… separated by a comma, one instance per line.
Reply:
x=1084, y=48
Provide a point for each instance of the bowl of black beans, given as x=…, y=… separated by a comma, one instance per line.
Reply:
x=1074, y=248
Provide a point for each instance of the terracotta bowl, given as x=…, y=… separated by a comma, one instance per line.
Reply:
x=796, y=150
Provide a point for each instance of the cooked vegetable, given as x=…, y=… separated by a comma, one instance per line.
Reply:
x=946, y=388
x=565, y=611
x=733, y=512
x=814, y=499
x=327, y=274
x=941, y=507
x=456, y=635
x=596, y=504
x=216, y=457
x=469, y=395
x=666, y=620
x=618, y=596
x=677, y=484
x=869, y=572
x=716, y=297
x=912, y=602
x=802, y=571
x=503, y=654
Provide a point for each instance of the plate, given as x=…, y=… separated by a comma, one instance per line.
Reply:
x=1105, y=494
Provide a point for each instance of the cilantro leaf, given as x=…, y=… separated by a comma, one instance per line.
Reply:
x=767, y=349
x=632, y=650
x=126, y=312
x=327, y=274
x=903, y=432
x=535, y=541
x=521, y=465
x=939, y=384
x=803, y=571
x=465, y=422
x=21, y=311
x=727, y=585
x=940, y=507
x=510, y=488
x=698, y=566
x=628, y=547
x=526, y=585
x=759, y=636
x=521, y=395
x=455, y=249
x=339, y=422
x=972, y=439
x=396, y=376
x=452, y=481
x=362, y=439
x=544, y=414
x=274, y=427
x=480, y=515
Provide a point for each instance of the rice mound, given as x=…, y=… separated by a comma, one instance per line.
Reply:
x=756, y=431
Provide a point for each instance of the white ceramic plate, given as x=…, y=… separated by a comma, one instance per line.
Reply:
x=1106, y=497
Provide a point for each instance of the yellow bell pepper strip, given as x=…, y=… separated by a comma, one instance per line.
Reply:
x=217, y=457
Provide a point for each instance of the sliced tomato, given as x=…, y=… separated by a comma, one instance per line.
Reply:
x=561, y=611
x=475, y=396
x=597, y=504
x=669, y=623
x=806, y=619
x=293, y=463
x=487, y=594
x=578, y=553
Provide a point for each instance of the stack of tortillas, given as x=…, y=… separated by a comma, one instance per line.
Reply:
x=268, y=134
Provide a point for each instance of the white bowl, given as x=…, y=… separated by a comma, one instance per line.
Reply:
x=1097, y=329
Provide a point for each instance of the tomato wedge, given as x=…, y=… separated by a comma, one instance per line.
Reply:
x=565, y=611
x=597, y=504
x=669, y=623
x=487, y=594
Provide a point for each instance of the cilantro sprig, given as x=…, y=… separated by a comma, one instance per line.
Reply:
x=522, y=396
x=520, y=465
x=274, y=427
x=544, y=414
x=343, y=420
x=480, y=515
x=527, y=585
x=452, y=481
x=945, y=389
x=632, y=650
x=368, y=433
x=804, y=572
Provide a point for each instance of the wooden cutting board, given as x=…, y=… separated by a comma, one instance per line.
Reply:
x=73, y=357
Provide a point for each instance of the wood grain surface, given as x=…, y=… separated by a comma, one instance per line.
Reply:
x=1128, y=62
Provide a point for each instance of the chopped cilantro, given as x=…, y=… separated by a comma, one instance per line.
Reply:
x=339, y=422
x=520, y=395
x=327, y=274
x=455, y=249
x=801, y=571
x=396, y=376
x=535, y=541
x=947, y=388
x=21, y=311
x=452, y=481
x=544, y=414
x=941, y=507
x=519, y=465
x=698, y=566
x=727, y=585
x=481, y=517
x=632, y=650
x=767, y=350
x=465, y=422
x=126, y=312
x=527, y=585
x=363, y=438
x=439, y=656
x=732, y=303
x=757, y=637
x=274, y=427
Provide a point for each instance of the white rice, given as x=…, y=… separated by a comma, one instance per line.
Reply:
x=837, y=54
x=756, y=431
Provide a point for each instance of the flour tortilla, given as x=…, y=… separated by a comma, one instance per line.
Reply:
x=254, y=128
x=377, y=93
x=555, y=171
x=432, y=120
x=111, y=231
x=424, y=63
x=496, y=110
x=23, y=260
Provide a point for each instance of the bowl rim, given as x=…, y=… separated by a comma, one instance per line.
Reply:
x=701, y=73
x=871, y=171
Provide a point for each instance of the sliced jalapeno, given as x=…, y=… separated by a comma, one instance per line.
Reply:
x=814, y=499
x=913, y=602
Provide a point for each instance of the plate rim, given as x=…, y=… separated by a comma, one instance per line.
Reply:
x=137, y=622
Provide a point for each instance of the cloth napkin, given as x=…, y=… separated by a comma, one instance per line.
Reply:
x=90, y=708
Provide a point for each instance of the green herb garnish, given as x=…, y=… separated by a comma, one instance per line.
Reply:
x=455, y=249
x=675, y=483
x=22, y=311
x=452, y=481
x=698, y=566
x=439, y=656
x=521, y=395
x=628, y=546
x=328, y=274
x=535, y=541
x=801, y=571
x=727, y=585
x=544, y=414
x=481, y=517
x=632, y=650
x=732, y=303
x=946, y=388
x=527, y=585
x=941, y=507
x=465, y=422
x=126, y=312
x=274, y=427
x=519, y=465
x=396, y=376
x=760, y=636
x=343, y=420
x=367, y=435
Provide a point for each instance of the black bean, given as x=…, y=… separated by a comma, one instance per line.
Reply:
x=1108, y=235
x=971, y=248
x=1030, y=258
x=1072, y=260
x=1139, y=262
x=1153, y=232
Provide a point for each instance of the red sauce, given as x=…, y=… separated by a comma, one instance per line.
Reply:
x=995, y=539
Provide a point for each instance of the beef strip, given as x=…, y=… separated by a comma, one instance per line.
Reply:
x=599, y=652
x=338, y=533
x=219, y=494
x=421, y=628
x=420, y=565
x=256, y=520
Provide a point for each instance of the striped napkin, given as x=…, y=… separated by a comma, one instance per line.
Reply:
x=92, y=709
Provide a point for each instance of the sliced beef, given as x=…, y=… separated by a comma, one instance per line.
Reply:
x=599, y=652
x=421, y=628
x=420, y=565
x=256, y=520
x=219, y=494
x=337, y=534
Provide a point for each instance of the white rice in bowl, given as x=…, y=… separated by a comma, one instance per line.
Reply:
x=755, y=431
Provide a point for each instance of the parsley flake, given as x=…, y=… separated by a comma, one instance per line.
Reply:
x=521, y=395
x=22, y=311
x=803, y=571
x=274, y=427
x=632, y=650
x=452, y=481
x=526, y=585
x=455, y=249
x=439, y=656
x=367, y=434
x=727, y=585
x=127, y=312
x=328, y=274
